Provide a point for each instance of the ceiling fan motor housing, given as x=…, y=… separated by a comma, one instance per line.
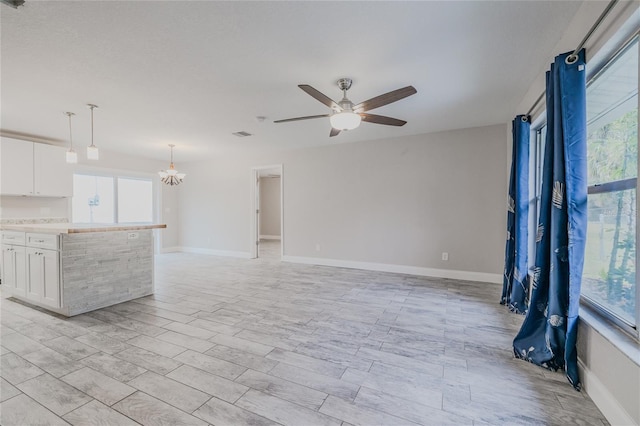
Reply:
x=344, y=83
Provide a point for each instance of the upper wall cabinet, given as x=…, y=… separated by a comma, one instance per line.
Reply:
x=53, y=176
x=16, y=161
x=34, y=169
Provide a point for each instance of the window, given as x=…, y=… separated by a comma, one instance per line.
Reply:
x=609, y=277
x=93, y=199
x=109, y=199
x=135, y=200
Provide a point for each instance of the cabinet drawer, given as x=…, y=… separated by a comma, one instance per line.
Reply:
x=45, y=241
x=13, y=237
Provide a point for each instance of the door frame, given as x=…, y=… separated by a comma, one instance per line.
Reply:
x=254, y=217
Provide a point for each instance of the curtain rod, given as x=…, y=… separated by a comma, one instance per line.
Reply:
x=574, y=56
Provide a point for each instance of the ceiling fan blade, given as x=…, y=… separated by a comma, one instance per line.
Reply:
x=334, y=132
x=381, y=119
x=309, y=117
x=320, y=96
x=385, y=99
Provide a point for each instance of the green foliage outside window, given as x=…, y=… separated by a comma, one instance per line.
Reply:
x=609, y=276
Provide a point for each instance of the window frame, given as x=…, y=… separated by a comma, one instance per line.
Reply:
x=537, y=133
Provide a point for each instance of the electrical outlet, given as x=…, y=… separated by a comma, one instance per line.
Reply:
x=445, y=255
x=317, y=247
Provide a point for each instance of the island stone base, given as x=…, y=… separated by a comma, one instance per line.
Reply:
x=100, y=269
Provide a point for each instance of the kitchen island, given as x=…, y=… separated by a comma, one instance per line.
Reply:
x=71, y=269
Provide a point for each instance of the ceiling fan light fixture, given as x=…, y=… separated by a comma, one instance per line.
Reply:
x=345, y=120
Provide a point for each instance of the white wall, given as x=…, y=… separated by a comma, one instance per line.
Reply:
x=386, y=202
x=610, y=377
x=270, y=207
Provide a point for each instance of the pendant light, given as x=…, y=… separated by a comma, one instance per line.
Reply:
x=72, y=156
x=171, y=175
x=92, y=150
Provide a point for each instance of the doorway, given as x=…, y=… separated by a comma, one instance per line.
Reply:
x=267, y=237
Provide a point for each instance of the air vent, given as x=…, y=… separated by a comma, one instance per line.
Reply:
x=242, y=134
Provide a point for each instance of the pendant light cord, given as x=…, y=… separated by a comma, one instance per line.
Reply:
x=92, y=126
x=69, y=114
x=91, y=107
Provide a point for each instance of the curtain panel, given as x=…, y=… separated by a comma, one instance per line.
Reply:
x=515, y=286
x=549, y=331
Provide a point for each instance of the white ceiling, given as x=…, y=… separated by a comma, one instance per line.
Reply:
x=192, y=73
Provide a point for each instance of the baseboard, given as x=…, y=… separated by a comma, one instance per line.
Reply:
x=226, y=253
x=269, y=237
x=400, y=269
x=175, y=249
x=600, y=395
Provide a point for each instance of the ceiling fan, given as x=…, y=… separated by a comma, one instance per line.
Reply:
x=346, y=116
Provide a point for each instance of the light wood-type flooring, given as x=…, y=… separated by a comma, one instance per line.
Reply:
x=261, y=342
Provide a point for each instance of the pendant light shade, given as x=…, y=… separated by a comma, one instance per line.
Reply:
x=92, y=150
x=72, y=156
x=171, y=176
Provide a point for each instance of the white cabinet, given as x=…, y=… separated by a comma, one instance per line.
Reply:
x=32, y=272
x=14, y=269
x=34, y=169
x=16, y=176
x=53, y=177
x=43, y=276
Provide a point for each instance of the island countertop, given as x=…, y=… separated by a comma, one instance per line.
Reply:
x=74, y=228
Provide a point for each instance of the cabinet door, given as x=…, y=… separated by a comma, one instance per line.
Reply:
x=43, y=277
x=34, y=270
x=53, y=177
x=13, y=269
x=50, y=278
x=16, y=171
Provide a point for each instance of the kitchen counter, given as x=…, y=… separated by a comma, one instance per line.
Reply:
x=74, y=228
x=72, y=269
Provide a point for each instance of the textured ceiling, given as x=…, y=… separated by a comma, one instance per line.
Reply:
x=192, y=73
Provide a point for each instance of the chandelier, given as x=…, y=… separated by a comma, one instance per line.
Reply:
x=171, y=175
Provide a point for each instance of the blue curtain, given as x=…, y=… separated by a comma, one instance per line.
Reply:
x=549, y=331
x=515, y=287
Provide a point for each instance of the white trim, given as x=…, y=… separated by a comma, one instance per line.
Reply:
x=175, y=249
x=400, y=269
x=604, y=400
x=226, y=253
x=254, y=226
x=270, y=237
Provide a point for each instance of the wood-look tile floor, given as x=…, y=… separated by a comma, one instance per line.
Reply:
x=232, y=342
